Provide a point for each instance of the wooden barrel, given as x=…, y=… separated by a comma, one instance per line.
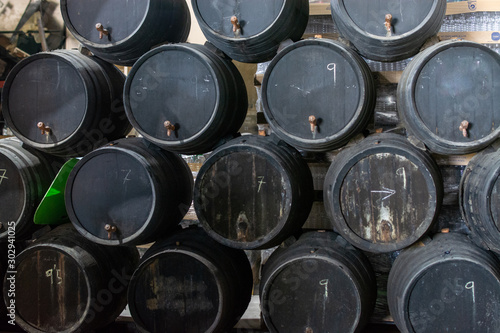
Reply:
x=480, y=198
x=25, y=177
x=251, y=30
x=190, y=283
x=128, y=192
x=320, y=283
x=122, y=31
x=445, y=285
x=388, y=30
x=448, y=97
x=383, y=194
x=253, y=192
x=64, y=283
x=185, y=98
x=317, y=94
x=64, y=103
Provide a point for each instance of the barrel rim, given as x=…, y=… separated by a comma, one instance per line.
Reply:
x=297, y=258
x=492, y=179
x=337, y=173
x=59, y=56
x=174, y=144
x=79, y=226
x=365, y=81
x=483, y=199
x=19, y=163
x=100, y=47
x=416, y=125
x=71, y=253
x=224, y=152
x=174, y=250
x=208, y=30
x=406, y=36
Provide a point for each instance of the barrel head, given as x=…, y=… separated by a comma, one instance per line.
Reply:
x=176, y=292
x=451, y=114
x=312, y=293
x=254, y=16
x=244, y=198
x=318, y=94
x=175, y=85
x=111, y=188
x=52, y=291
x=45, y=89
x=120, y=18
x=369, y=15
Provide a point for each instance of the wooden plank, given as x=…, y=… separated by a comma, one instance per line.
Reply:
x=463, y=7
x=388, y=77
x=320, y=9
x=482, y=37
x=252, y=318
x=453, y=159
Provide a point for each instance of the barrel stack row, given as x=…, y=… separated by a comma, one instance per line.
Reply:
x=382, y=194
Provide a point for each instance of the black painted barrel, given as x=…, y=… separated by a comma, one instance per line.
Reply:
x=320, y=283
x=448, y=97
x=122, y=31
x=480, y=198
x=251, y=30
x=445, y=285
x=317, y=94
x=190, y=283
x=25, y=177
x=388, y=30
x=383, y=193
x=253, y=192
x=65, y=283
x=185, y=98
x=128, y=192
x=64, y=103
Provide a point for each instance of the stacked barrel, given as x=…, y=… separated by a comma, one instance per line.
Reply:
x=382, y=192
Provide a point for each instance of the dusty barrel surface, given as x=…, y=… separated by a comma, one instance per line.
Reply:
x=251, y=30
x=388, y=30
x=128, y=192
x=253, y=192
x=445, y=285
x=317, y=94
x=190, y=283
x=383, y=193
x=334, y=282
x=448, y=97
x=64, y=103
x=25, y=177
x=65, y=283
x=122, y=31
x=480, y=198
x=185, y=98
